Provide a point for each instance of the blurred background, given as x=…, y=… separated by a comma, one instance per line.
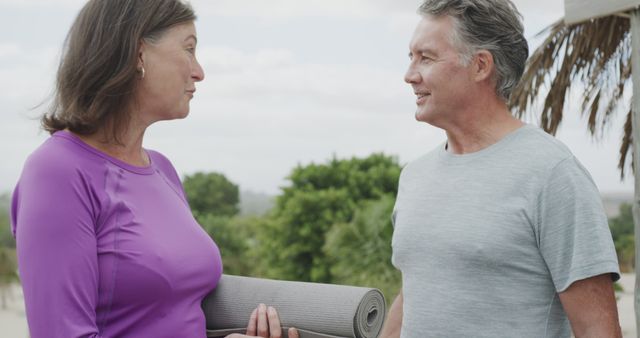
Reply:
x=296, y=137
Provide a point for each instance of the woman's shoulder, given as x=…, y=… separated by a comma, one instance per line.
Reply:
x=158, y=159
x=161, y=162
x=164, y=165
x=59, y=157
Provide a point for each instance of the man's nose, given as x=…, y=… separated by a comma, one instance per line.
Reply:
x=412, y=76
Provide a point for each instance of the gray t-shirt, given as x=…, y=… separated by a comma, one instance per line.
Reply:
x=485, y=241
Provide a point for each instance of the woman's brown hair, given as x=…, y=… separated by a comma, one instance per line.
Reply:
x=97, y=76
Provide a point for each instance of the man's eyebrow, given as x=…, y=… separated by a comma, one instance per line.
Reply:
x=427, y=51
x=195, y=38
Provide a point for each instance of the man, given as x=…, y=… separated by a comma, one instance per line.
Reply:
x=499, y=232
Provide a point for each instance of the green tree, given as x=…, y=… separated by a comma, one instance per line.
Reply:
x=361, y=249
x=235, y=237
x=6, y=236
x=214, y=203
x=319, y=196
x=8, y=262
x=622, y=233
x=363, y=178
x=8, y=273
x=211, y=193
x=291, y=244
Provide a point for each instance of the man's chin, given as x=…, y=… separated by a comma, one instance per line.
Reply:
x=421, y=116
x=429, y=119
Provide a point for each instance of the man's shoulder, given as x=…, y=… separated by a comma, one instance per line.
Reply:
x=426, y=158
x=529, y=146
x=533, y=136
x=416, y=168
x=534, y=145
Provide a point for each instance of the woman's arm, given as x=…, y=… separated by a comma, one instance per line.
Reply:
x=57, y=252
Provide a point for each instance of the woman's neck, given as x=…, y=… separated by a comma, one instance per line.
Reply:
x=128, y=147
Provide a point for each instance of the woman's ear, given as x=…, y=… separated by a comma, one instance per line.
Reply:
x=141, y=55
x=483, y=65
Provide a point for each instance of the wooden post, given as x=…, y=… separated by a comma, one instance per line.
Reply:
x=635, y=66
x=581, y=10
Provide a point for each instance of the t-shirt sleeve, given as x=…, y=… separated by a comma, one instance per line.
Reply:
x=52, y=216
x=573, y=232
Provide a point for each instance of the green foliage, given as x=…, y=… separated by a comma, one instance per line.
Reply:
x=211, y=193
x=8, y=273
x=214, y=203
x=367, y=178
x=331, y=224
x=6, y=236
x=361, y=249
x=255, y=204
x=234, y=237
x=8, y=266
x=623, y=237
x=320, y=196
x=291, y=244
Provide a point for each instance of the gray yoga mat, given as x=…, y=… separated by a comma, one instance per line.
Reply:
x=316, y=310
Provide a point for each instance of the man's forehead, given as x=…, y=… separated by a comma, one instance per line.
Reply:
x=429, y=33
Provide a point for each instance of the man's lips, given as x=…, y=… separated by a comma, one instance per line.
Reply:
x=421, y=96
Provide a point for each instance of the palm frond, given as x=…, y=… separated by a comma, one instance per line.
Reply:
x=625, y=147
x=594, y=58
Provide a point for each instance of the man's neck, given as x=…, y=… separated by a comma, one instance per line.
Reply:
x=480, y=128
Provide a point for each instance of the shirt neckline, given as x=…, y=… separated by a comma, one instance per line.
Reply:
x=503, y=142
x=146, y=170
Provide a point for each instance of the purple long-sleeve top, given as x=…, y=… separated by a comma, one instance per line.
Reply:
x=107, y=249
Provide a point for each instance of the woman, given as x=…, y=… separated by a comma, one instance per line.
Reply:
x=107, y=245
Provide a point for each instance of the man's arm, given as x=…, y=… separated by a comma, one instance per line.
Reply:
x=392, y=325
x=590, y=305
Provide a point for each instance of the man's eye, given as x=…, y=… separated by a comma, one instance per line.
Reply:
x=426, y=59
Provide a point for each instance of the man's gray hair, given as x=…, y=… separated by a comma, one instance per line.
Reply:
x=492, y=25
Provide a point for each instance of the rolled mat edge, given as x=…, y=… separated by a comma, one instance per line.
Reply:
x=317, y=310
x=301, y=333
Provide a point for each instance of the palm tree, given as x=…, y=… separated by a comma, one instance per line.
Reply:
x=593, y=59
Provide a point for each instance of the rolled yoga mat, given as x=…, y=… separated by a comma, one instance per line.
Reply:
x=316, y=310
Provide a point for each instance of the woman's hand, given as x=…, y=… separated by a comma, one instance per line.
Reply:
x=265, y=323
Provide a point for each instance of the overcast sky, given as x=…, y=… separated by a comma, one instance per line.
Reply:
x=287, y=82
